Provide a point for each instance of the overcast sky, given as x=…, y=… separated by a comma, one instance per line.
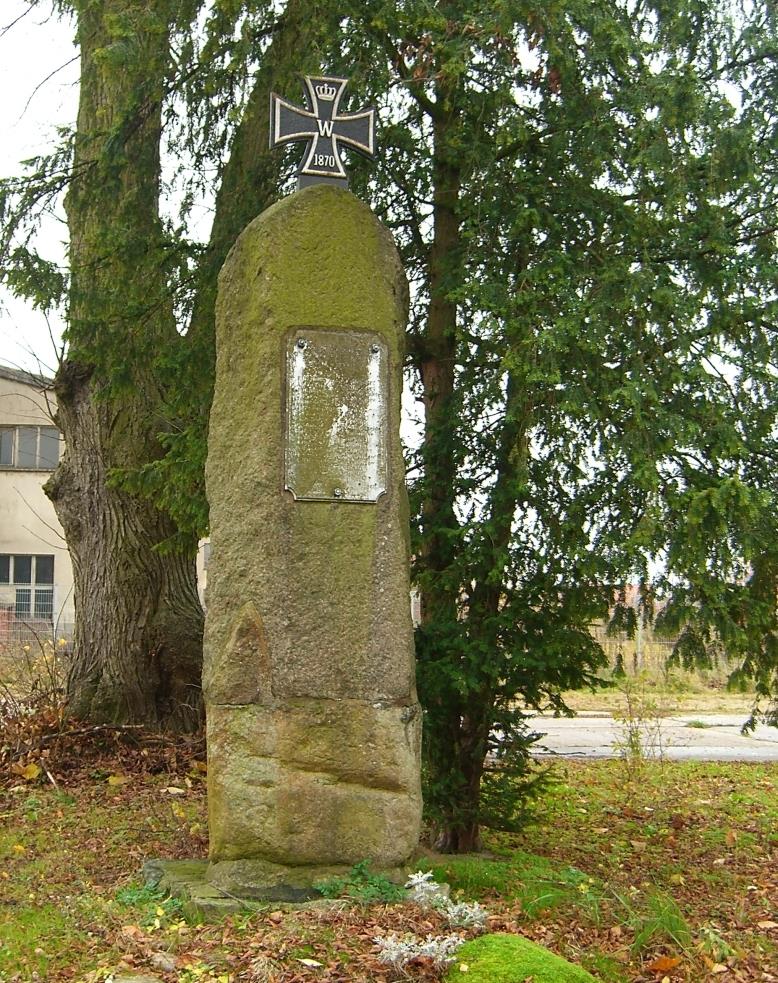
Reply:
x=31, y=108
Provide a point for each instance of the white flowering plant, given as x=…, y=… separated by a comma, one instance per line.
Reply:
x=400, y=952
x=425, y=891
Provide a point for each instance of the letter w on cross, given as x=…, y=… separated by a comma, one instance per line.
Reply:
x=324, y=127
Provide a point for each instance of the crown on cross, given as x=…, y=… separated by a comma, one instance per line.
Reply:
x=325, y=128
x=326, y=91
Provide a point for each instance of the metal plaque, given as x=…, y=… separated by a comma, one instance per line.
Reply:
x=336, y=415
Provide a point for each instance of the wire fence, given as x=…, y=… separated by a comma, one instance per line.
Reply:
x=34, y=658
x=649, y=653
x=34, y=652
x=15, y=631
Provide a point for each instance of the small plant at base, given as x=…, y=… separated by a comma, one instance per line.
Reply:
x=361, y=884
x=139, y=894
x=663, y=921
x=202, y=973
x=398, y=953
x=424, y=890
x=160, y=909
x=465, y=914
x=714, y=946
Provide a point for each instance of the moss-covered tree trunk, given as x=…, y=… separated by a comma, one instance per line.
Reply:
x=138, y=636
x=250, y=181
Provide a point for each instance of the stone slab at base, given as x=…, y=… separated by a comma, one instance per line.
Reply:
x=210, y=891
x=260, y=880
x=185, y=880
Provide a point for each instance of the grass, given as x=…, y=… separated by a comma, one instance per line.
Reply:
x=677, y=879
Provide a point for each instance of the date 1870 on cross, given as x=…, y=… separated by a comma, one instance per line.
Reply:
x=324, y=127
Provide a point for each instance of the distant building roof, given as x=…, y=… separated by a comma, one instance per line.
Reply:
x=26, y=378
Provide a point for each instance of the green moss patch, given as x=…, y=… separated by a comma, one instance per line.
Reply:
x=512, y=959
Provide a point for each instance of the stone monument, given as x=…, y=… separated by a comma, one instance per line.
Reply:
x=312, y=716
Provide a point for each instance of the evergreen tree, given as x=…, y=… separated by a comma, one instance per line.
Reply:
x=585, y=193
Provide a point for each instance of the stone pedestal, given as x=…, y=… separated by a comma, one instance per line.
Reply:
x=313, y=721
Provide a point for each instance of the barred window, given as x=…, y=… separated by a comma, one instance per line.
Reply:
x=31, y=580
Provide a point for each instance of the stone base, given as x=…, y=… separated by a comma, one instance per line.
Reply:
x=259, y=880
x=313, y=782
x=209, y=891
x=185, y=880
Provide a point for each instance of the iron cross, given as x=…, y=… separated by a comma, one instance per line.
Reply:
x=325, y=129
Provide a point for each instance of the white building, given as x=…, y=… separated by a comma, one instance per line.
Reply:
x=36, y=577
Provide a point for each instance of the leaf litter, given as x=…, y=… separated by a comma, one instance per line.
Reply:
x=103, y=800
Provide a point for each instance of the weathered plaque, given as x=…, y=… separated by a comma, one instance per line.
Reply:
x=336, y=415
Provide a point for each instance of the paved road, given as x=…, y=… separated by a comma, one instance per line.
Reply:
x=597, y=735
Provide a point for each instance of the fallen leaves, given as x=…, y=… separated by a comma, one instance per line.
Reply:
x=665, y=964
x=28, y=772
x=106, y=837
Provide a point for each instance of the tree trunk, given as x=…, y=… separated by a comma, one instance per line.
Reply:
x=138, y=633
x=251, y=177
x=461, y=719
x=437, y=370
x=459, y=831
x=452, y=782
x=250, y=181
x=138, y=636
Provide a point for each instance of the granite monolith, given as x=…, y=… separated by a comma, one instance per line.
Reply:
x=312, y=716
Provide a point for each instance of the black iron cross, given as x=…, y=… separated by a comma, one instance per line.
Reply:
x=325, y=129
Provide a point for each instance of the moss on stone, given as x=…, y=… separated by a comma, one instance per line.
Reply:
x=313, y=723
x=503, y=958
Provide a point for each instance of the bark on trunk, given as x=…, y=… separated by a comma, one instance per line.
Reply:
x=460, y=831
x=250, y=181
x=452, y=770
x=437, y=369
x=462, y=721
x=251, y=178
x=138, y=636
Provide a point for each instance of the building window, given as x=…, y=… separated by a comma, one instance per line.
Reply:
x=29, y=448
x=32, y=581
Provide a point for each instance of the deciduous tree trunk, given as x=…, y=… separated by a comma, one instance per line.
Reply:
x=138, y=634
x=138, y=630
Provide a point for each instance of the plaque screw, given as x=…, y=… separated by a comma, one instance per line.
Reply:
x=301, y=343
x=338, y=493
x=375, y=349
